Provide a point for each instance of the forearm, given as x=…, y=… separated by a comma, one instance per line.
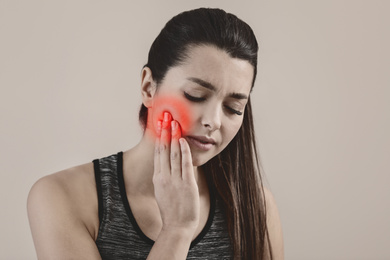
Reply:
x=171, y=244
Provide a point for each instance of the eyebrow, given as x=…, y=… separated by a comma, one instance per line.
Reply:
x=211, y=87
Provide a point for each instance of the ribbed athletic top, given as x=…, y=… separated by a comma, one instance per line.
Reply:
x=120, y=237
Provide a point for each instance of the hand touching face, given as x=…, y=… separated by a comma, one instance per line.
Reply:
x=214, y=89
x=175, y=187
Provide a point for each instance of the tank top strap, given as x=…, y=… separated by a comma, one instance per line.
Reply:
x=107, y=185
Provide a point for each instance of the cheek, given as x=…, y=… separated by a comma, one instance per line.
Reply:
x=231, y=131
x=176, y=106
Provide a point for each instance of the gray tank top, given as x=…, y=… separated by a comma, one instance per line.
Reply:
x=119, y=236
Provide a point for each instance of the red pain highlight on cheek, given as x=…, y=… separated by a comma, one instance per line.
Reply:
x=178, y=108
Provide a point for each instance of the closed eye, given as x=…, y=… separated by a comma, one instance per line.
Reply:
x=201, y=99
x=194, y=99
x=233, y=111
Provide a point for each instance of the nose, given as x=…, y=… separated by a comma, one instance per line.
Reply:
x=211, y=118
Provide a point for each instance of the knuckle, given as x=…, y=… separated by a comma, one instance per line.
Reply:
x=185, y=152
x=187, y=164
x=174, y=156
x=163, y=147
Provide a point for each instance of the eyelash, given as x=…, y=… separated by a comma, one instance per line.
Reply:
x=201, y=99
x=194, y=99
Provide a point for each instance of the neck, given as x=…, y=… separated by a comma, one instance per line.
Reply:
x=138, y=167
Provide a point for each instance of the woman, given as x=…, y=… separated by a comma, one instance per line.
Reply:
x=191, y=188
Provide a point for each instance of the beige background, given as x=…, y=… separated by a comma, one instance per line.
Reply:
x=70, y=73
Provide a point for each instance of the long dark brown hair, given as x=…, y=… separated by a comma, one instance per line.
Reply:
x=235, y=172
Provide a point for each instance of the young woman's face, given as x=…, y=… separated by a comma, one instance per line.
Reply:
x=214, y=87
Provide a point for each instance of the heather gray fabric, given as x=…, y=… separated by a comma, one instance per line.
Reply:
x=119, y=235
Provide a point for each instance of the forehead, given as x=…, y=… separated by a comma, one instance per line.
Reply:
x=214, y=65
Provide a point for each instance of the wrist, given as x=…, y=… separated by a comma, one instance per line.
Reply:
x=174, y=232
x=171, y=243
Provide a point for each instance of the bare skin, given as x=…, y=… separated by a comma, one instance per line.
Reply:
x=142, y=197
x=63, y=207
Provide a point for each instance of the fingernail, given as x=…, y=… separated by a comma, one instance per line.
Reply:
x=167, y=116
x=173, y=125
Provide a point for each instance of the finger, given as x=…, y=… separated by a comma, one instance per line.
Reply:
x=165, y=143
x=175, y=149
x=157, y=169
x=159, y=126
x=186, y=160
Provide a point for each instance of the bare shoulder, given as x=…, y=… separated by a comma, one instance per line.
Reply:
x=274, y=226
x=63, y=214
x=73, y=189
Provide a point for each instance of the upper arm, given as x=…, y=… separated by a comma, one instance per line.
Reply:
x=274, y=226
x=58, y=232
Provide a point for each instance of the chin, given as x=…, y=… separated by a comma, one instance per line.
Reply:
x=200, y=159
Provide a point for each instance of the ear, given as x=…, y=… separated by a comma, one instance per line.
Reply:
x=148, y=87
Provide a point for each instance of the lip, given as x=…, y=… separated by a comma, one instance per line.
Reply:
x=201, y=142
